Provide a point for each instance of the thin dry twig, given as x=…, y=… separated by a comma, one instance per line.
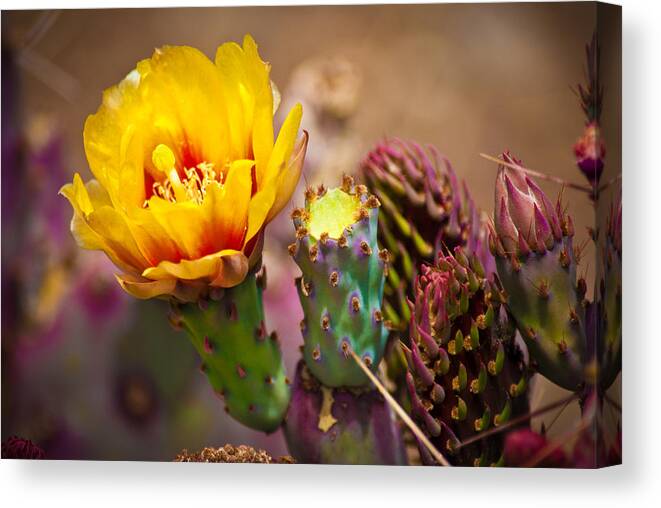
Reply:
x=555, y=418
x=402, y=414
x=613, y=402
x=609, y=183
x=538, y=174
x=516, y=421
x=558, y=443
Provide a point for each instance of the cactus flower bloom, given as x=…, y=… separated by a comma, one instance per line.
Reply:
x=187, y=171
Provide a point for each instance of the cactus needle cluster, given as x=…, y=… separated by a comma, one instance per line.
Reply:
x=466, y=373
x=425, y=208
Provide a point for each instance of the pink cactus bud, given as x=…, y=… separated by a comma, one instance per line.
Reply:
x=522, y=447
x=525, y=219
x=590, y=152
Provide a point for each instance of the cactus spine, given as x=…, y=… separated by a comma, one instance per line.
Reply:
x=241, y=360
x=466, y=374
x=341, y=287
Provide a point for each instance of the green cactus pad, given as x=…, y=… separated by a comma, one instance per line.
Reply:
x=543, y=297
x=241, y=360
x=341, y=287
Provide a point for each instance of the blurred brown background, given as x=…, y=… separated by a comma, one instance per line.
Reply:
x=469, y=78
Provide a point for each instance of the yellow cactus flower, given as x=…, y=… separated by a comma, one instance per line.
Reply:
x=187, y=172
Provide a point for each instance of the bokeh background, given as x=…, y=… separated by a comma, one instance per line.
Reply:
x=88, y=372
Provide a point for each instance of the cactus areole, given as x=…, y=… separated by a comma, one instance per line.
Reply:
x=341, y=286
x=241, y=360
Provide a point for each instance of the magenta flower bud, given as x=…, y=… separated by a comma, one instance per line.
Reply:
x=531, y=239
x=18, y=448
x=523, y=446
x=590, y=152
x=525, y=219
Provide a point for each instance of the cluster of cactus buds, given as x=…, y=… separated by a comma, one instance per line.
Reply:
x=532, y=243
x=341, y=426
x=341, y=286
x=240, y=358
x=424, y=208
x=467, y=374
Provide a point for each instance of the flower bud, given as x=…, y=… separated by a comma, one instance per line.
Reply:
x=524, y=217
x=590, y=152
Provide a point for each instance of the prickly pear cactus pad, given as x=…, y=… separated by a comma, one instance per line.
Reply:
x=341, y=286
x=241, y=360
x=466, y=373
x=341, y=426
x=537, y=264
x=424, y=207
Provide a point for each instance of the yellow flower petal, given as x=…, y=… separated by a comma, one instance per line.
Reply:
x=111, y=225
x=226, y=264
x=288, y=179
x=249, y=98
x=262, y=202
x=85, y=199
x=284, y=145
x=225, y=207
x=233, y=269
x=184, y=224
x=143, y=289
x=174, y=98
x=77, y=195
x=153, y=241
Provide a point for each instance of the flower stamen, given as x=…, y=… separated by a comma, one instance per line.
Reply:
x=172, y=188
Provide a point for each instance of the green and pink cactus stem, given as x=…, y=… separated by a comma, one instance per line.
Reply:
x=532, y=243
x=341, y=425
x=466, y=373
x=341, y=285
x=240, y=358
